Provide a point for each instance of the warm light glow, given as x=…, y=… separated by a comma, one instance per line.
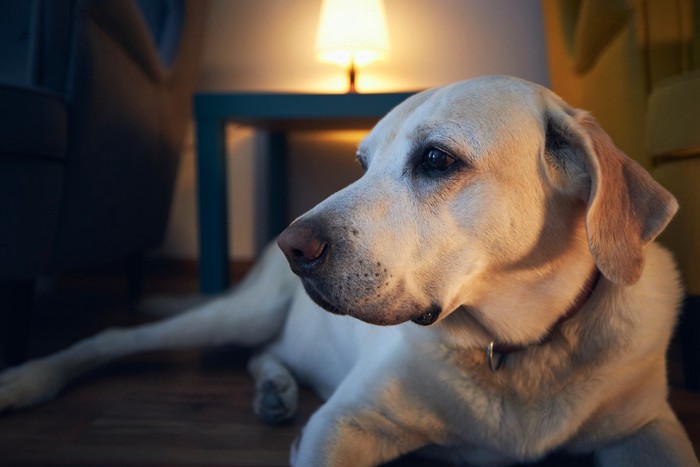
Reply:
x=352, y=31
x=373, y=80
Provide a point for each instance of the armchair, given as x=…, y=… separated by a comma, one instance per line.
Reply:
x=636, y=65
x=94, y=101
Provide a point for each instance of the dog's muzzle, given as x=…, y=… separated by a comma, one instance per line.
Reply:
x=313, y=257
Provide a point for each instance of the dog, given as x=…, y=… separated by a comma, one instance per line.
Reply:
x=493, y=288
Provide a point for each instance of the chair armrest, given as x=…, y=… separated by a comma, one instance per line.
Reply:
x=123, y=22
x=673, y=118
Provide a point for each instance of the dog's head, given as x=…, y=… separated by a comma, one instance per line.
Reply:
x=482, y=193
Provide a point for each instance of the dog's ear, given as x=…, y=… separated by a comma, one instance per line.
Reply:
x=626, y=207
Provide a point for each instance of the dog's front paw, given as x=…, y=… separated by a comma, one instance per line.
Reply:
x=29, y=384
x=276, y=400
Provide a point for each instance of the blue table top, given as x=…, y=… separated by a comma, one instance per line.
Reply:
x=261, y=109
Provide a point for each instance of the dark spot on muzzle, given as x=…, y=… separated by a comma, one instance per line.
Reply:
x=429, y=317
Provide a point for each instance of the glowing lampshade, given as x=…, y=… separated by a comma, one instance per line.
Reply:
x=352, y=33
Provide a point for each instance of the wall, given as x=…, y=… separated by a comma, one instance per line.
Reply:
x=268, y=45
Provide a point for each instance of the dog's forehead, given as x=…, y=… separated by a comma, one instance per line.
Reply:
x=475, y=112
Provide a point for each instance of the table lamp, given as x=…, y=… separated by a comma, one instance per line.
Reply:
x=352, y=33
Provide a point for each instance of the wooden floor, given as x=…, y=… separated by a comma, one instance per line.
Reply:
x=166, y=408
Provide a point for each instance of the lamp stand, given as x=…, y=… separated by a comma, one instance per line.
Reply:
x=351, y=77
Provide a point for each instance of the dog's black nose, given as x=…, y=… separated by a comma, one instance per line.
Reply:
x=305, y=248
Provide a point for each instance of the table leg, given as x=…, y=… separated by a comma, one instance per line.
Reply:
x=213, y=209
x=276, y=184
x=270, y=187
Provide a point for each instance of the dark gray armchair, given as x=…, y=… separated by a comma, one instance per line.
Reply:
x=94, y=101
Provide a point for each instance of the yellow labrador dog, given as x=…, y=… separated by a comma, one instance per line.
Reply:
x=494, y=289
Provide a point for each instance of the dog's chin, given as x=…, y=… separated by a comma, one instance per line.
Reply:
x=320, y=300
x=425, y=317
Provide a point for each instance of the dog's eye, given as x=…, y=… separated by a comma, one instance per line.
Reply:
x=435, y=160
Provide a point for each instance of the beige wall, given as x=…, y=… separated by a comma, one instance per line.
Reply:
x=268, y=45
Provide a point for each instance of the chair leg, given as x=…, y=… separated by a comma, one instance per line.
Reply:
x=17, y=297
x=690, y=341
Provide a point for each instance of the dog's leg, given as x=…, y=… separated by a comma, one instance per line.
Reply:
x=661, y=442
x=249, y=315
x=353, y=437
x=369, y=419
x=276, y=391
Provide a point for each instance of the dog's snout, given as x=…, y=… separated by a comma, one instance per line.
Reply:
x=305, y=247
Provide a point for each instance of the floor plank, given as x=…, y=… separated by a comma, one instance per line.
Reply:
x=159, y=409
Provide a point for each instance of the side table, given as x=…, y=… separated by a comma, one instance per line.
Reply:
x=275, y=114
